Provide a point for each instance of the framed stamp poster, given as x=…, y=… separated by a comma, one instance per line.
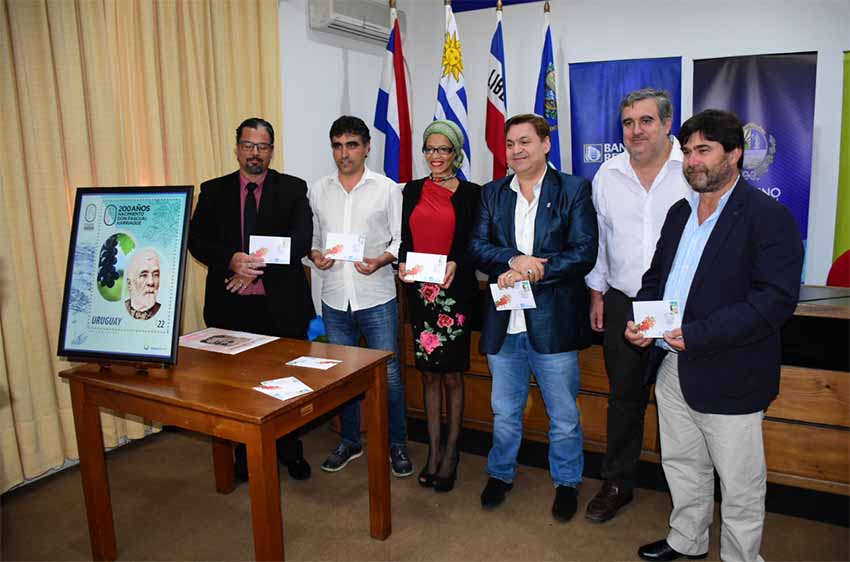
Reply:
x=124, y=279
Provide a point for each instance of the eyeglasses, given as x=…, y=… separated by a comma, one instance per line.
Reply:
x=441, y=150
x=248, y=146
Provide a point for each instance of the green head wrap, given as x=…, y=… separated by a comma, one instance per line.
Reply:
x=451, y=132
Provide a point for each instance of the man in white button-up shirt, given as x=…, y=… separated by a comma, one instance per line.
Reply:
x=359, y=297
x=632, y=193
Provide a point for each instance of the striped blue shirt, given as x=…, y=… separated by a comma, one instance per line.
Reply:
x=691, y=246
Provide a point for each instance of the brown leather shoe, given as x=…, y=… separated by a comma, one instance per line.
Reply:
x=607, y=502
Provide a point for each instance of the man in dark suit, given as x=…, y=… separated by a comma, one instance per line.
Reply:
x=242, y=292
x=732, y=257
x=538, y=225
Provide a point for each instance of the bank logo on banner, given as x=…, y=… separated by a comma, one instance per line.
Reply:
x=596, y=90
x=593, y=154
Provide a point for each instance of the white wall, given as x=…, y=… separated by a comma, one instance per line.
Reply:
x=324, y=76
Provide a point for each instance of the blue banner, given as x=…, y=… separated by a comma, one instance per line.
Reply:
x=596, y=90
x=467, y=5
x=774, y=95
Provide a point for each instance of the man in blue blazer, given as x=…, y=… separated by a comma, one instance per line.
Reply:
x=732, y=257
x=538, y=225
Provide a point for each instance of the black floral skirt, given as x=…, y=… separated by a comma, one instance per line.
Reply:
x=440, y=328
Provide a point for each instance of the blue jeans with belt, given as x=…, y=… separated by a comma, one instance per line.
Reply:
x=379, y=326
x=557, y=376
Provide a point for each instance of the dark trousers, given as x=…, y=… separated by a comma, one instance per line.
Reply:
x=628, y=396
x=254, y=315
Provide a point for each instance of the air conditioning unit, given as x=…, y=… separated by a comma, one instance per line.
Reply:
x=368, y=20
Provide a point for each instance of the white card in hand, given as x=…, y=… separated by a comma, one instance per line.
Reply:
x=427, y=268
x=518, y=297
x=273, y=249
x=345, y=247
x=653, y=318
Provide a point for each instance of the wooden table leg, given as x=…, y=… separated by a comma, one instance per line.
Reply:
x=222, y=450
x=264, y=484
x=93, y=474
x=380, y=523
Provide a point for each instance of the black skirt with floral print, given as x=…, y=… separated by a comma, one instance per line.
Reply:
x=440, y=328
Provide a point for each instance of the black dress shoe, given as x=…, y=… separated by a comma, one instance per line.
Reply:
x=494, y=492
x=290, y=453
x=607, y=502
x=661, y=551
x=565, y=504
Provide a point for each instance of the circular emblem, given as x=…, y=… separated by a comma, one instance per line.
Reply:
x=759, y=149
x=110, y=214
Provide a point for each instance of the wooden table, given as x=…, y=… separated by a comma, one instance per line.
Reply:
x=212, y=393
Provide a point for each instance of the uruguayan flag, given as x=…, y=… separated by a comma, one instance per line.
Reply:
x=451, y=94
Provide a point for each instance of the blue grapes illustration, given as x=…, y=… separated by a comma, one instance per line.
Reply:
x=111, y=265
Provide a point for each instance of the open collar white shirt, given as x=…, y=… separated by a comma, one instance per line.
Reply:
x=525, y=214
x=630, y=219
x=371, y=208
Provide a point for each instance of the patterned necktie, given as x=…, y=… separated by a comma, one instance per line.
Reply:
x=250, y=216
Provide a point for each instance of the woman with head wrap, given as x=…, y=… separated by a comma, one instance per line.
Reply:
x=437, y=218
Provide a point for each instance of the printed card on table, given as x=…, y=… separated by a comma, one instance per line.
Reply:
x=273, y=249
x=518, y=297
x=283, y=389
x=313, y=362
x=427, y=268
x=653, y=318
x=345, y=247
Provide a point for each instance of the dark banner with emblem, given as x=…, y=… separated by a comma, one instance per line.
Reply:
x=467, y=5
x=596, y=90
x=774, y=95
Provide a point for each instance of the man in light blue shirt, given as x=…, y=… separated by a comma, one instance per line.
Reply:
x=732, y=257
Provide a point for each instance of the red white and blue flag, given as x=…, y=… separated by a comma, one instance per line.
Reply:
x=497, y=101
x=392, y=112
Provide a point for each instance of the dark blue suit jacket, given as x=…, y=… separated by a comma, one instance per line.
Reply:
x=745, y=288
x=565, y=232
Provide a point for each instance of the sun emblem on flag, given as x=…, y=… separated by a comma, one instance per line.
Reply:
x=452, y=59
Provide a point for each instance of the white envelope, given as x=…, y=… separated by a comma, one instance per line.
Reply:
x=427, y=268
x=284, y=389
x=519, y=297
x=273, y=249
x=345, y=247
x=313, y=362
x=653, y=318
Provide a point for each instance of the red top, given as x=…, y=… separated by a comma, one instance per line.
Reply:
x=432, y=222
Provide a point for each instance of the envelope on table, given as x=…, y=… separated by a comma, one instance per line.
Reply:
x=344, y=246
x=273, y=249
x=427, y=268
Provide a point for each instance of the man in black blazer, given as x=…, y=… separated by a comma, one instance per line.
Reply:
x=538, y=225
x=732, y=257
x=242, y=292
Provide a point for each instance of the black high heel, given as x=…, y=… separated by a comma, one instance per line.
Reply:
x=446, y=483
x=426, y=479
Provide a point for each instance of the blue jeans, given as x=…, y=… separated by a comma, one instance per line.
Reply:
x=557, y=376
x=379, y=326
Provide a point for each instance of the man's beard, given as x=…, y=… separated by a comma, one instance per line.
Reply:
x=254, y=167
x=143, y=301
x=710, y=179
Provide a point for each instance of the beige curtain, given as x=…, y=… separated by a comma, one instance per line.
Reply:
x=105, y=93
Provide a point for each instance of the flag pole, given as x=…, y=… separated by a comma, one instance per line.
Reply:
x=498, y=5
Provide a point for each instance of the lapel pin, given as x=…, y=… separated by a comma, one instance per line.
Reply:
x=549, y=204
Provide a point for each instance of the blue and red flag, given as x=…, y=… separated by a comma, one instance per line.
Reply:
x=392, y=112
x=497, y=101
